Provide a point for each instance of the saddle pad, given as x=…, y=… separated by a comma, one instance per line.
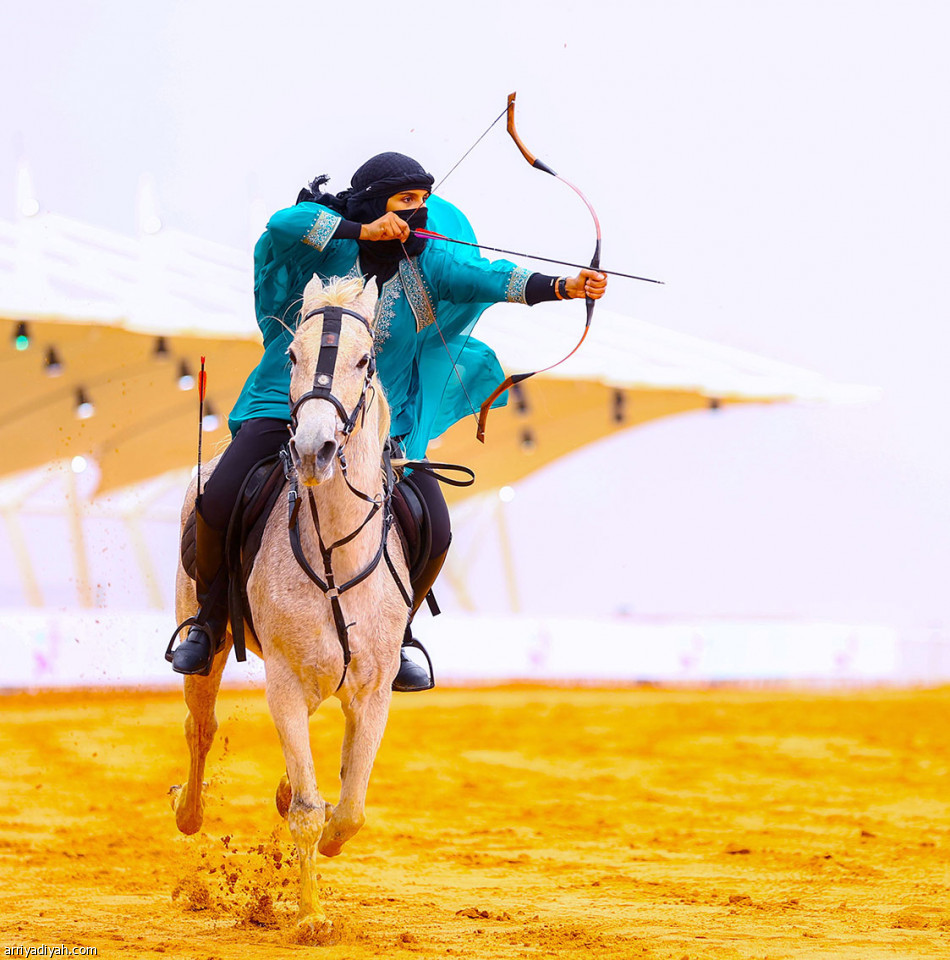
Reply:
x=250, y=515
x=189, y=546
x=412, y=525
x=259, y=496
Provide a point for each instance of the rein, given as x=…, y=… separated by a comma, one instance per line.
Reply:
x=322, y=390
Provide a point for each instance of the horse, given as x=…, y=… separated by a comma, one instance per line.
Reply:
x=338, y=438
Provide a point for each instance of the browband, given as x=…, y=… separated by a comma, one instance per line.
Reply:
x=336, y=313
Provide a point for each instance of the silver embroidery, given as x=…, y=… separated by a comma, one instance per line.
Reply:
x=386, y=310
x=514, y=293
x=417, y=290
x=323, y=228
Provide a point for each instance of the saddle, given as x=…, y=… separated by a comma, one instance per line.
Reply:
x=259, y=492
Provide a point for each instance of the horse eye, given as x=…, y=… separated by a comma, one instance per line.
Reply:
x=363, y=361
x=292, y=355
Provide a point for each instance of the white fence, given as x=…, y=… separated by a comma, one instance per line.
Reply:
x=95, y=648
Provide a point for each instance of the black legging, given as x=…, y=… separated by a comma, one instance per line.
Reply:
x=257, y=439
x=262, y=437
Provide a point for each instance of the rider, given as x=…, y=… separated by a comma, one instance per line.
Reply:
x=430, y=295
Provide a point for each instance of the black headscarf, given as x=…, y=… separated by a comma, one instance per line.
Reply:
x=365, y=201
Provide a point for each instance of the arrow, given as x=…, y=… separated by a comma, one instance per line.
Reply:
x=432, y=235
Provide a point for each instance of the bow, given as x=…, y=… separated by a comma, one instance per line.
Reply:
x=594, y=264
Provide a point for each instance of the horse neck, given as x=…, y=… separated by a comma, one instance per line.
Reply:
x=341, y=511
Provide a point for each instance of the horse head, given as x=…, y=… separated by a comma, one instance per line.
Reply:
x=333, y=366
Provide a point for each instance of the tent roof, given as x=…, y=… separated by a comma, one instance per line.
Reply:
x=166, y=282
x=101, y=300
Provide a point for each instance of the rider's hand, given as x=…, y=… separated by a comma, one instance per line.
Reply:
x=388, y=227
x=588, y=283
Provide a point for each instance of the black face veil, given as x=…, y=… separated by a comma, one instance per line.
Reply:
x=365, y=201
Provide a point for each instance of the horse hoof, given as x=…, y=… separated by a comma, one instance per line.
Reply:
x=283, y=796
x=188, y=816
x=314, y=930
x=335, y=835
x=331, y=848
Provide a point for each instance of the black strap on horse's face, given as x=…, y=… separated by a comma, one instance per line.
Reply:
x=326, y=366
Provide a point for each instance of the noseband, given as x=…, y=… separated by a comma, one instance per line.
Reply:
x=326, y=366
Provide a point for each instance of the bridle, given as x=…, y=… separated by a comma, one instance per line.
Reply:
x=323, y=390
x=325, y=368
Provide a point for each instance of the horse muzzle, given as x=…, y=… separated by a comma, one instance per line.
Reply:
x=314, y=458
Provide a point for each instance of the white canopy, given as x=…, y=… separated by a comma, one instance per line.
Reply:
x=98, y=300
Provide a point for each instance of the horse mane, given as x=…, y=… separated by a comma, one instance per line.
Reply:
x=336, y=292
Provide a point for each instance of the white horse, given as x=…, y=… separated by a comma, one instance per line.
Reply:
x=300, y=641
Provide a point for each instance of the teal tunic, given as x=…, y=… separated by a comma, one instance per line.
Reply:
x=446, y=288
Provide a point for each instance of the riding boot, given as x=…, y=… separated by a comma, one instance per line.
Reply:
x=412, y=678
x=206, y=636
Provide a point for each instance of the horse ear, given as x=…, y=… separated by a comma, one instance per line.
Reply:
x=368, y=298
x=313, y=287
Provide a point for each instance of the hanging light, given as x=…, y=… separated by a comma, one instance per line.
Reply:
x=185, y=379
x=619, y=406
x=160, y=352
x=210, y=421
x=84, y=406
x=52, y=364
x=21, y=338
x=521, y=400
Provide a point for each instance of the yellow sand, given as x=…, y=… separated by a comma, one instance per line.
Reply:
x=504, y=823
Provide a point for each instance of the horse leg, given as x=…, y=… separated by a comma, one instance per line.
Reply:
x=306, y=813
x=366, y=715
x=200, y=727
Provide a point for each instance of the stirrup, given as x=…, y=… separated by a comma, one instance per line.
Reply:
x=169, y=650
x=413, y=642
x=216, y=647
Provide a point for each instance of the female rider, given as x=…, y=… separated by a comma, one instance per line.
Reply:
x=430, y=295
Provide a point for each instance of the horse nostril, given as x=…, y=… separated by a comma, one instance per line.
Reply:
x=325, y=454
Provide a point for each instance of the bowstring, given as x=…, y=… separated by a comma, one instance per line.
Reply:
x=418, y=279
x=470, y=149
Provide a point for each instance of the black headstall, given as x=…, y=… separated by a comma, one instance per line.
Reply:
x=326, y=367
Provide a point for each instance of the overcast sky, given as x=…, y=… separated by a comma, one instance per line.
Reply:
x=782, y=165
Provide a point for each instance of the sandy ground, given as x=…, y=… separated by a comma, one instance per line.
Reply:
x=501, y=823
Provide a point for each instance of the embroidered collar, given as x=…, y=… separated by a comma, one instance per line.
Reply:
x=418, y=293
